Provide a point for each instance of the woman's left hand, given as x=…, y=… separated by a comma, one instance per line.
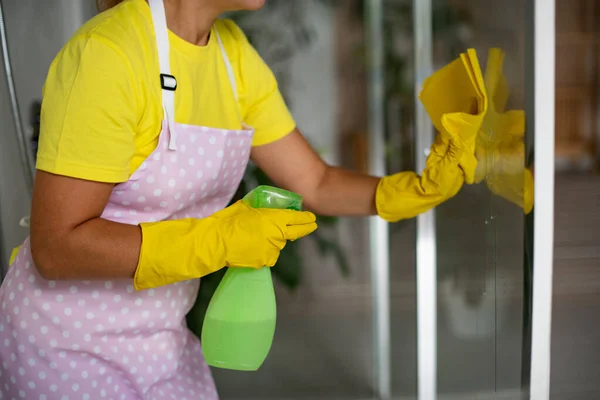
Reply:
x=406, y=194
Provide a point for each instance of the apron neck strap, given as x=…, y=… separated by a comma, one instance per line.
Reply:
x=167, y=81
x=228, y=66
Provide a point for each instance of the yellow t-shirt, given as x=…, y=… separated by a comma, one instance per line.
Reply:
x=102, y=109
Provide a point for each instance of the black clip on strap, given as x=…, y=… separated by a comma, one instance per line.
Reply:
x=168, y=82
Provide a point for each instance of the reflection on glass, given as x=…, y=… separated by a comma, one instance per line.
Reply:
x=500, y=145
x=480, y=232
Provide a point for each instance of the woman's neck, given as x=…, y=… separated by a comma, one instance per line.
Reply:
x=191, y=20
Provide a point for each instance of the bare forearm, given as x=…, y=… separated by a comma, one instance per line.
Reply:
x=96, y=249
x=292, y=164
x=344, y=193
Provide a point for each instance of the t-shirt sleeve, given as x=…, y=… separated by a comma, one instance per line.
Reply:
x=263, y=106
x=89, y=113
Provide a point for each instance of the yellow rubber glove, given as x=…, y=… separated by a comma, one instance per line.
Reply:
x=406, y=194
x=456, y=101
x=13, y=255
x=238, y=236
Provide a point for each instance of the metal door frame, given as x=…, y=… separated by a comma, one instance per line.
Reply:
x=543, y=241
x=426, y=265
x=379, y=249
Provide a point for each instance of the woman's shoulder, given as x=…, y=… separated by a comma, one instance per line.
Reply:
x=227, y=28
x=233, y=37
x=125, y=29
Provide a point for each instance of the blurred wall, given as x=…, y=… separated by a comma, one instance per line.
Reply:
x=36, y=32
x=313, y=84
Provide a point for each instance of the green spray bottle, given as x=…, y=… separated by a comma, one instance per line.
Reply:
x=239, y=325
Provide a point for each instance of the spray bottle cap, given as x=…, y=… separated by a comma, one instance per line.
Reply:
x=271, y=197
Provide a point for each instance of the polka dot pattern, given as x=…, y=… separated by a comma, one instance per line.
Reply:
x=96, y=340
x=173, y=184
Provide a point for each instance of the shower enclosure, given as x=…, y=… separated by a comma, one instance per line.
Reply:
x=455, y=304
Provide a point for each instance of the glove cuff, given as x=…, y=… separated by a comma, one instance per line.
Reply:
x=382, y=198
x=175, y=251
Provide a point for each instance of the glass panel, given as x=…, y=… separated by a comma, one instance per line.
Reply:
x=403, y=309
x=480, y=239
x=400, y=156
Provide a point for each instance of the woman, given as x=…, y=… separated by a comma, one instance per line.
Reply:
x=145, y=136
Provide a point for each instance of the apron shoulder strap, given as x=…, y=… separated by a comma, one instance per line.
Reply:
x=228, y=66
x=168, y=82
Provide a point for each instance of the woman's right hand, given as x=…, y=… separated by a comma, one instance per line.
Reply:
x=254, y=237
x=238, y=236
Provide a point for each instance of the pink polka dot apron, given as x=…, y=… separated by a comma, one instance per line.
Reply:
x=95, y=340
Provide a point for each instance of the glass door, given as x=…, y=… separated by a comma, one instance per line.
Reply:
x=478, y=330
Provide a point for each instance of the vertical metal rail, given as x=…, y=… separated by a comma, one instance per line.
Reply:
x=543, y=242
x=426, y=229
x=3, y=254
x=378, y=228
x=26, y=156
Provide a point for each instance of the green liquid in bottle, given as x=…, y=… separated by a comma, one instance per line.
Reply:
x=239, y=326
